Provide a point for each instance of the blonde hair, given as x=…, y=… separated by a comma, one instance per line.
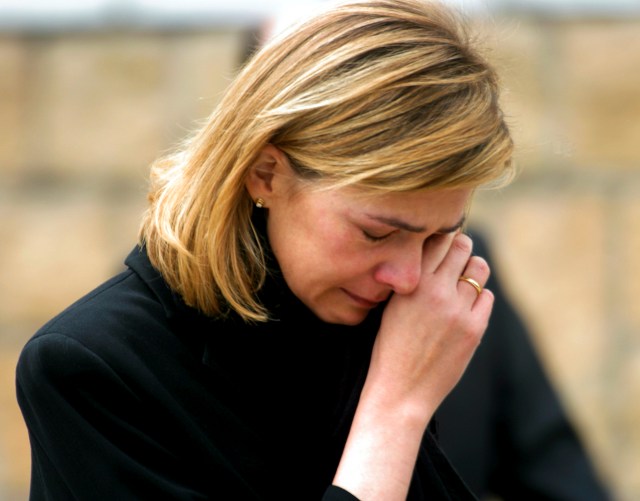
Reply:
x=387, y=95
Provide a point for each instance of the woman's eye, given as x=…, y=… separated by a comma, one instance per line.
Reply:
x=374, y=238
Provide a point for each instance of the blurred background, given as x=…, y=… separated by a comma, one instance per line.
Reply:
x=92, y=91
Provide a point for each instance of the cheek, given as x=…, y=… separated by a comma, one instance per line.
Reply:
x=315, y=245
x=319, y=252
x=338, y=244
x=320, y=232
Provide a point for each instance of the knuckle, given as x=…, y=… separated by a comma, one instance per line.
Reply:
x=463, y=243
x=472, y=334
x=481, y=265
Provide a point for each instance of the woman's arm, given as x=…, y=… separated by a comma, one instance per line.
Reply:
x=425, y=342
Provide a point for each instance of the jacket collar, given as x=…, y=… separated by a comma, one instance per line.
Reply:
x=171, y=302
x=288, y=314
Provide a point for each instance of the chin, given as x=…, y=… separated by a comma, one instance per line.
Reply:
x=342, y=317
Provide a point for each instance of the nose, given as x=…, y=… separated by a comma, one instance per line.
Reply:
x=401, y=271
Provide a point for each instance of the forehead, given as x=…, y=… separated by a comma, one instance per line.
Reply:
x=441, y=207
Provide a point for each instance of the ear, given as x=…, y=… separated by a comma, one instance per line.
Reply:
x=260, y=179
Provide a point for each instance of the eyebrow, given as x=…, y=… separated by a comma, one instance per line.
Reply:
x=398, y=223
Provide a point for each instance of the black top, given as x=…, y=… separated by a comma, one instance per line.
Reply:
x=130, y=394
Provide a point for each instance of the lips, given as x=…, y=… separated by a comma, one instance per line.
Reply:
x=363, y=302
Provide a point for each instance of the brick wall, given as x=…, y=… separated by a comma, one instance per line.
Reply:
x=83, y=114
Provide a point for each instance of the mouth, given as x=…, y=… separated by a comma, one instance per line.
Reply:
x=361, y=301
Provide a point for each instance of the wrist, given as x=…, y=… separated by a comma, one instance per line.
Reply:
x=382, y=401
x=381, y=451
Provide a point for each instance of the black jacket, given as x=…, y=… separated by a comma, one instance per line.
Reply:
x=130, y=394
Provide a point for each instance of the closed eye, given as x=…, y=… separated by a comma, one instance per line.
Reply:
x=376, y=238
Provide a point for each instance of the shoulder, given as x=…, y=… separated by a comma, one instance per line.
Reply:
x=110, y=325
x=122, y=302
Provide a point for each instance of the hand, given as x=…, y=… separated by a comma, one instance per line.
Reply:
x=428, y=337
x=425, y=342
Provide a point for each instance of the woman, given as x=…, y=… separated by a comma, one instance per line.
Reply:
x=302, y=298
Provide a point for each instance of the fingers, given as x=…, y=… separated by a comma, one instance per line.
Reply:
x=435, y=250
x=476, y=272
x=454, y=259
x=482, y=306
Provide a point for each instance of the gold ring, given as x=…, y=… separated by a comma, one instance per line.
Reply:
x=473, y=283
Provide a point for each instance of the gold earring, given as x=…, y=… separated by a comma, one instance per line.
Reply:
x=259, y=203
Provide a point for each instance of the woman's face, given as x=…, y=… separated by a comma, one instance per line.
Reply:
x=342, y=252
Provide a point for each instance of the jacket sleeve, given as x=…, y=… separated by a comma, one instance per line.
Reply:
x=335, y=493
x=87, y=429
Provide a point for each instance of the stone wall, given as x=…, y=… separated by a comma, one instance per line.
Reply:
x=83, y=114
